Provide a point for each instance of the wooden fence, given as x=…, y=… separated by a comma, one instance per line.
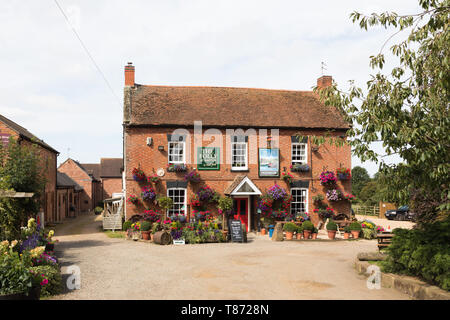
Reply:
x=367, y=211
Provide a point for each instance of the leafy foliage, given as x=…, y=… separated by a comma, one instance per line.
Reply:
x=423, y=252
x=53, y=275
x=21, y=170
x=407, y=109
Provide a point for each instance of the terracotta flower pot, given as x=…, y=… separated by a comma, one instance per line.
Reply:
x=306, y=234
x=299, y=235
x=314, y=236
x=346, y=235
x=151, y=236
x=331, y=234
x=289, y=235
x=145, y=235
x=355, y=234
x=263, y=231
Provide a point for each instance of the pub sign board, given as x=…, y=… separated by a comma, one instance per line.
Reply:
x=208, y=158
x=237, y=234
x=269, y=163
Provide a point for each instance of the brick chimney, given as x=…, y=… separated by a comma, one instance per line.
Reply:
x=324, y=81
x=129, y=75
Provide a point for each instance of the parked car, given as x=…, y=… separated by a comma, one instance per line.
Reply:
x=401, y=214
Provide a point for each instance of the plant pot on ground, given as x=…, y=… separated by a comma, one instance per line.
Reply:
x=299, y=232
x=289, y=228
x=307, y=227
x=331, y=228
x=347, y=232
x=355, y=228
x=145, y=230
x=263, y=231
x=314, y=233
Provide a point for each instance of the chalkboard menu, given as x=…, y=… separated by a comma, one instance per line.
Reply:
x=237, y=235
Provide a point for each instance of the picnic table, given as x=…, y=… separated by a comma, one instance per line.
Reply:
x=384, y=239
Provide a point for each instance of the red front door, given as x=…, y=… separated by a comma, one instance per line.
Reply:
x=241, y=211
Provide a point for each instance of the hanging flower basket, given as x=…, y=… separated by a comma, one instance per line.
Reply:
x=206, y=193
x=300, y=167
x=193, y=177
x=334, y=195
x=349, y=197
x=287, y=177
x=133, y=199
x=343, y=174
x=327, y=178
x=148, y=193
x=195, y=202
x=154, y=179
x=138, y=175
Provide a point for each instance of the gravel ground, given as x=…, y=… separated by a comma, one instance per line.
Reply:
x=259, y=269
x=385, y=223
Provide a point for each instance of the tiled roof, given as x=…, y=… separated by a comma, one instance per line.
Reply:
x=63, y=180
x=93, y=169
x=25, y=133
x=230, y=107
x=111, y=167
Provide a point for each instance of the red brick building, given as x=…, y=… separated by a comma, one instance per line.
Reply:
x=49, y=157
x=68, y=194
x=98, y=180
x=159, y=130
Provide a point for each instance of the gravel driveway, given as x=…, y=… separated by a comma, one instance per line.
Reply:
x=259, y=269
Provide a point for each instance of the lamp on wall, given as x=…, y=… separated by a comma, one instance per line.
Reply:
x=161, y=148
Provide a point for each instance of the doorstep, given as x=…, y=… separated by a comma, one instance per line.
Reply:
x=415, y=288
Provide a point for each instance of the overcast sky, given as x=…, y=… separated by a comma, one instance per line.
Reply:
x=50, y=86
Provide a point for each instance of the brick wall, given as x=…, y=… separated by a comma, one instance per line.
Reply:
x=137, y=153
x=110, y=186
x=80, y=176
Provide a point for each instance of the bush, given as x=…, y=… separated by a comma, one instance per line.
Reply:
x=355, y=226
x=315, y=230
x=15, y=276
x=331, y=225
x=290, y=227
x=53, y=275
x=98, y=210
x=126, y=225
x=299, y=229
x=422, y=252
x=145, y=226
x=307, y=225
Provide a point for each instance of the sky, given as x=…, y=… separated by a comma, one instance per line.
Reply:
x=51, y=86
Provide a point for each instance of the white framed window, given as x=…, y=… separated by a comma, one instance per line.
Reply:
x=178, y=196
x=299, y=202
x=299, y=154
x=177, y=152
x=239, y=158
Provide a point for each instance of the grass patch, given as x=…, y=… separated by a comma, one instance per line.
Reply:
x=115, y=235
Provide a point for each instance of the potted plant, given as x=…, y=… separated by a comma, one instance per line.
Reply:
x=331, y=228
x=145, y=230
x=133, y=199
x=155, y=228
x=192, y=177
x=355, y=228
x=148, y=193
x=50, y=245
x=327, y=178
x=307, y=227
x=318, y=199
x=300, y=167
x=166, y=203
x=299, y=232
x=289, y=228
x=348, y=196
x=314, y=233
x=136, y=231
x=176, y=167
x=347, y=232
x=154, y=178
x=334, y=195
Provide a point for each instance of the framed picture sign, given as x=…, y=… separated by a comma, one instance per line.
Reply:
x=269, y=163
x=208, y=158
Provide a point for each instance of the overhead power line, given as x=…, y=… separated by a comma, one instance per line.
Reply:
x=89, y=54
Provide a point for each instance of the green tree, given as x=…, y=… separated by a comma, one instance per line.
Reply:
x=406, y=108
x=360, y=177
x=21, y=170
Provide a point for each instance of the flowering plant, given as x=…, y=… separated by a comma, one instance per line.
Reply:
x=192, y=176
x=38, y=279
x=300, y=167
x=325, y=213
x=327, y=178
x=318, y=198
x=154, y=178
x=136, y=226
x=133, y=199
x=334, y=195
x=148, y=193
x=176, y=167
x=138, y=174
x=195, y=202
x=202, y=215
x=287, y=177
x=276, y=192
x=151, y=215
x=44, y=259
x=349, y=196
x=380, y=229
x=206, y=193
x=279, y=214
x=343, y=173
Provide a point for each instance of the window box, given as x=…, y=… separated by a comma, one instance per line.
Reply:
x=176, y=168
x=300, y=167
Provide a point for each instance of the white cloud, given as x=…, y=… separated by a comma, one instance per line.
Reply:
x=50, y=86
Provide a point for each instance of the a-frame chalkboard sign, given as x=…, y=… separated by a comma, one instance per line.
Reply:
x=236, y=232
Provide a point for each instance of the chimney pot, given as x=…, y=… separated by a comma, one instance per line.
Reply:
x=129, y=75
x=324, y=81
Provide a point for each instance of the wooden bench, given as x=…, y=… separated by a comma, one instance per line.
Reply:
x=384, y=239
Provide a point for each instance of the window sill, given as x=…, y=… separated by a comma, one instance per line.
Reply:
x=240, y=170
